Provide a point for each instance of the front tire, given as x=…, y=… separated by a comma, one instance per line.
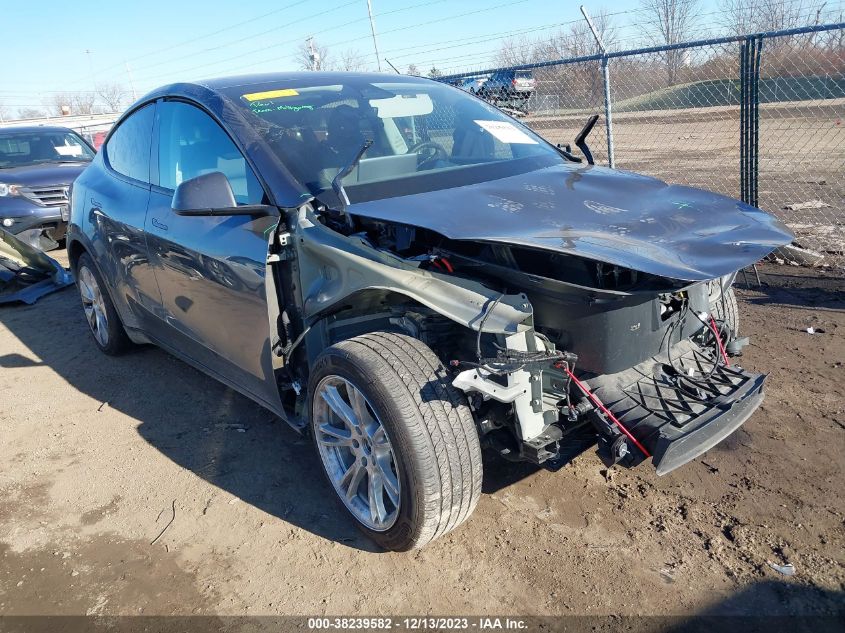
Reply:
x=725, y=309
x=397, y=441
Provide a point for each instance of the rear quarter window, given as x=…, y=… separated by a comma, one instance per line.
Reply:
x=128, y=148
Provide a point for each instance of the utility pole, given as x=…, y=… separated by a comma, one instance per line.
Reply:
x=131, y=82
x=90, y=69
x=313, y=55
x=373, y=29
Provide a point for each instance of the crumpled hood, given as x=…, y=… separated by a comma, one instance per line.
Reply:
x=608, y=215
x=43, y=174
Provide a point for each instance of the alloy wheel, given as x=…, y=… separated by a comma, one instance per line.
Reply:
x=94, y=306
x=356, y=453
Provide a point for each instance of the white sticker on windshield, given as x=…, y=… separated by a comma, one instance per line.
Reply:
x=69, y=150
x=507, y=132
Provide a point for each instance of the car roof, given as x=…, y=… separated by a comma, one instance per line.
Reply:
x=35, y=128
x=300, y=77
x=209, y=91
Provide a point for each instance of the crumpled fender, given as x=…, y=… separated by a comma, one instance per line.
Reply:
x=334, y=266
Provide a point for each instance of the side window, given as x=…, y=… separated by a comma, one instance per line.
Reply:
x=191, y=144
x=128, y=149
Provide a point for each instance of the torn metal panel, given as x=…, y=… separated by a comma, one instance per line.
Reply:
x=334, y=267
x=607, y=215
x=26, y=274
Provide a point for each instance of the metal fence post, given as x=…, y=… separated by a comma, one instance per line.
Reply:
x=749, y=119
x=608, y=115
x=605, y=72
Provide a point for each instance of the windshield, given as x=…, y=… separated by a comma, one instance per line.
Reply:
x=425, y=135
x=24, y=148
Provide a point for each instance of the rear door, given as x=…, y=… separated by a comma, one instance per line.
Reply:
x=116, y=207
x=211, y=270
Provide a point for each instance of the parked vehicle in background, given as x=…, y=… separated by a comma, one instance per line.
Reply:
x=37, y=167
x=510, y=87
x=406, y=274
x=472, y=85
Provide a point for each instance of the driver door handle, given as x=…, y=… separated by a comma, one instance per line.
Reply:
x=159, y=225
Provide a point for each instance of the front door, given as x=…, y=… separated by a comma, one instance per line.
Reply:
x=211, y=270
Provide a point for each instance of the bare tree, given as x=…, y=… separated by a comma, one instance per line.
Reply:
x=778, y=14
x=434, y=73
x=83, y=102
x=413, y=70
x=60, y=103
x=352, y=60
x=578, y=40
x=740, y=17
x=672, y=23
x=835, y=40
x=113, y=95
x=312, y=56
x=579, y=84
x=30, y=113
x=4, y=112
x=515, y=51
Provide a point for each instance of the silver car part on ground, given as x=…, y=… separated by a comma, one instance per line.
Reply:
x=31, y=274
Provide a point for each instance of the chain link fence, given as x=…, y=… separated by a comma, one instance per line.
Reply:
x=693, y=114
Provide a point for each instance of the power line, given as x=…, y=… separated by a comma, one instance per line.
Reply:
x=198, y=38
x=269, y=59
x=240, y=40
x=314, y=34
x=451, y=17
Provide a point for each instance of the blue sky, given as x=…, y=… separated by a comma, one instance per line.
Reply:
x=168, y=40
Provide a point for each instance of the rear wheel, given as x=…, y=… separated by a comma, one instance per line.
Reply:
x=397, y=441
x=103, y=320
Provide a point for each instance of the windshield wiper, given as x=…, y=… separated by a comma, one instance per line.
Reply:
x=337, y=185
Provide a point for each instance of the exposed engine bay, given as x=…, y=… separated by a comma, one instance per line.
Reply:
x=556, y=353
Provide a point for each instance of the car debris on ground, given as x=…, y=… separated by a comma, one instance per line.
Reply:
x=804, y=206
x=786, y=570
x=26, y=274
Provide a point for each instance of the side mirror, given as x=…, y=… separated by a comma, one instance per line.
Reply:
x=211, y=194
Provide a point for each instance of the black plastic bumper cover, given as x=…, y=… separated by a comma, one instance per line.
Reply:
x=676, y=417
x=670, y=452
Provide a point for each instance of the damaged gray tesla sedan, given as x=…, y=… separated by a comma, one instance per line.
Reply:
x=408, y=275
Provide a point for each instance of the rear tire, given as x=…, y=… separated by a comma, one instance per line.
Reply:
x=430, y=431
x=103, y=321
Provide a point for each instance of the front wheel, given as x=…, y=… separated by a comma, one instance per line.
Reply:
x=725, y=308
x=397, y=441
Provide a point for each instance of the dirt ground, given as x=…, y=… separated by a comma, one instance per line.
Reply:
x=100, y=455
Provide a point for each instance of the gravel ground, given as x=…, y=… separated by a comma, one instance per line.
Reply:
x=101, y=455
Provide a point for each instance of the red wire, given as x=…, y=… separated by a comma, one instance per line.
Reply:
x=447, y=264
x=606, y=411
x=715, y=329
